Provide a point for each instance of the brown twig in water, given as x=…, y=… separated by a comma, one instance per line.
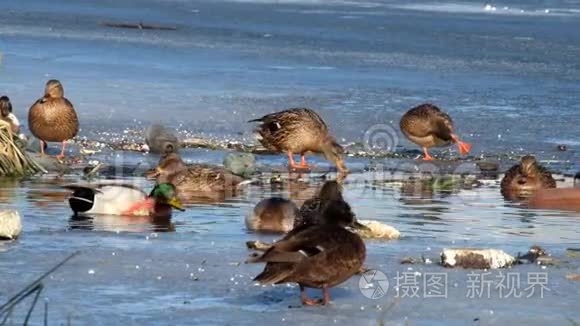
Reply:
x=139, y=25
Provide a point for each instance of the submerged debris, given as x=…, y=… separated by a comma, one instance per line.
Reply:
x=258, y=245
x=533, y=255
x=10, y=225
x=476, y=258
x=492, y=258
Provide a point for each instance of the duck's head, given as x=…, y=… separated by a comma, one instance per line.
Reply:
x=529, y=165
x=168, y=165
x=331, y=190
x=53, y=89
x=5, y=106
x=166, y=194
x=338, y=212
x=333, y=152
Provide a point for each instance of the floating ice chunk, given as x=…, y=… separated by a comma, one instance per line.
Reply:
x=10, y=225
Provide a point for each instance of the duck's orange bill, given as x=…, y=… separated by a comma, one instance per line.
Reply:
x=141, y=208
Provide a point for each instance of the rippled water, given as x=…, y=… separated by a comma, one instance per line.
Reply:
x=509, y=76
x=190, y=269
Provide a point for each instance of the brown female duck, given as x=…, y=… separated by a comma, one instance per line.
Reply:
x=195, y=181
x=315, y=256
x=7, y=116
x=298, y=131
x=427, y=126
x=525, y=178
x=311, y=208
x=273, y=215
x=53, y=118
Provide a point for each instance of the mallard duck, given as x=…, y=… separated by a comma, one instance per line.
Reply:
x=7, y=116
x=312, y=208
x=427, y=126
x=273, y=215
x=298, y=131
x=123, y=199
x=315, y=256
x=53, y=118
x=525, y=178
x=195, y=181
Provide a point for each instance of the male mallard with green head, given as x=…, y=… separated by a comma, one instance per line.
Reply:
x=298, y=131
x=7, y=116
x=273, y=215
x=526, y=177
x=53, y=118
x=195, y=181
x=316, y=256
x=123, y=199
x=427, y=126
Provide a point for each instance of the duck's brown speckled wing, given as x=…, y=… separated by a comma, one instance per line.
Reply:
x=53, y=119
x=426, y=120
x=297, y=129
x=315, y=256
x=205, y=179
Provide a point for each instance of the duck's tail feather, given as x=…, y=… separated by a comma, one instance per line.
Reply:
x=274, y=256
x=274, y=273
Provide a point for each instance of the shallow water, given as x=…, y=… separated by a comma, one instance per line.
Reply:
x=509, y=77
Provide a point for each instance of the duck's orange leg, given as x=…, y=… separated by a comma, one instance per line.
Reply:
x=463, y=147
x=306, y=300
x=63, y=147
x=427, y=157
x=325, y=296
x=293, y=165
x=42, y=146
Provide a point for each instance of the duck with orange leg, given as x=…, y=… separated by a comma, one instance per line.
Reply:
x=53, y=118
x=320, y=255
x=427, y=126
x=299, y=131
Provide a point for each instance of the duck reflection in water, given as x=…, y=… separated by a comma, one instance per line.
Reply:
x=115, y=223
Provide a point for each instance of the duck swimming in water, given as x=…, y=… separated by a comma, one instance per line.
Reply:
x=273, y=215
x=299, y=131
x=316, y=256
x=53, y=118
x=427, y=126
x=196, y=181
x=122, y=199
x=526, y=177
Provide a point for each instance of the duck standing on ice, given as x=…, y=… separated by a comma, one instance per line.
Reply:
x=427, y=126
